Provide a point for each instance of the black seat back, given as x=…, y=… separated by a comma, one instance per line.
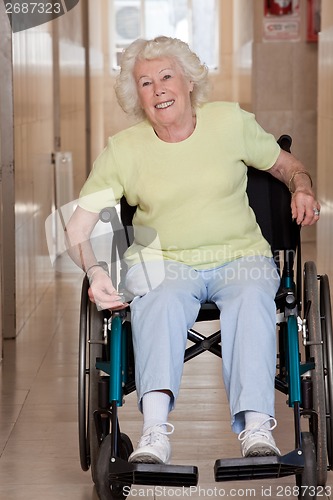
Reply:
x=270, y=200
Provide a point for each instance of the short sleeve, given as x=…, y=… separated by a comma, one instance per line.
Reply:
x=260, y=147
x=103, y=188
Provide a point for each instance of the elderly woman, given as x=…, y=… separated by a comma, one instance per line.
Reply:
x=183, y=165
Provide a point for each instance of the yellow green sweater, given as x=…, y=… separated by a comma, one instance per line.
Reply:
x=191, y=198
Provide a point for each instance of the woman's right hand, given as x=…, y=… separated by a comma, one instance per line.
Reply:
x=103, y=293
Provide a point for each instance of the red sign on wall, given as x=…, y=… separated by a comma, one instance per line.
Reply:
x=281, y=20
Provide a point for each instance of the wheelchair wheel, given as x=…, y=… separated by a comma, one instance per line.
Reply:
x=96, y=322
x=82, y=383
x=105, y=489
x=327, y=333
x=91, y=328
x=315, y=351
x=307, y=482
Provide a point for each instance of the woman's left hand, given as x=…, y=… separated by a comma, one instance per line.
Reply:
x=305, y=208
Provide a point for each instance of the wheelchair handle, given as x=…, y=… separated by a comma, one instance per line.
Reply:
x=285, y=142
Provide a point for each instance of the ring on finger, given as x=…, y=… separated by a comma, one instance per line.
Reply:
x=316, y=212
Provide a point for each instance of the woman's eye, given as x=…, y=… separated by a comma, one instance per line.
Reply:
x=166, y=77
x=145, y=84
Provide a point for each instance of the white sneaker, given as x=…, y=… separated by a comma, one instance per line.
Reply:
x=154, y=446
x=258, y=441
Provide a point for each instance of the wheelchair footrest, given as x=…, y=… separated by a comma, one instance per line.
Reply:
x=237, y=469
x=152, y=474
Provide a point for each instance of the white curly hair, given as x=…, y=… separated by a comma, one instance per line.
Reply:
x=162, y=46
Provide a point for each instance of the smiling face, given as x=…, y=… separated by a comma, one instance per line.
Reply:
x=164, y=94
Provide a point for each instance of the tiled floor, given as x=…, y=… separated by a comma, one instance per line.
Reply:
x=38, y=430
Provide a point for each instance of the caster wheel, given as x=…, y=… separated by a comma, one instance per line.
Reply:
x=307, y=482
x=105, y=490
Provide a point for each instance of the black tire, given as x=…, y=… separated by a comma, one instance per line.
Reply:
x=315, y=351
x=84, y=449
x=90, y=331
x=105, y=490
x=307, y=482
x=327, y=333
x=126, y=446
x=95, y=334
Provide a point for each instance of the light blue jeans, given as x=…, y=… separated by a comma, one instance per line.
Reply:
x=167, y=300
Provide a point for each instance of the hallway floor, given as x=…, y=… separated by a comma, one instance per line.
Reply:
x=38, y=429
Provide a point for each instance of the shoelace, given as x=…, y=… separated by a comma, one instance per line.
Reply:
x=155, y=433
x=263, y=431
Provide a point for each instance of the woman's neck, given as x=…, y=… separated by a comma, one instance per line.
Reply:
x=174, y=133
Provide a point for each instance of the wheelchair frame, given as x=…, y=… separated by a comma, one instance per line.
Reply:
x=304, y=369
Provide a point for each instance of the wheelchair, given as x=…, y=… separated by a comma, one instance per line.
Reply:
x=304, y=367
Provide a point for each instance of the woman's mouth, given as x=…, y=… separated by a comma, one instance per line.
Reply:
x=163, y=105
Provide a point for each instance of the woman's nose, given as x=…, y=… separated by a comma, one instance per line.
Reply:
x=159, y=91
